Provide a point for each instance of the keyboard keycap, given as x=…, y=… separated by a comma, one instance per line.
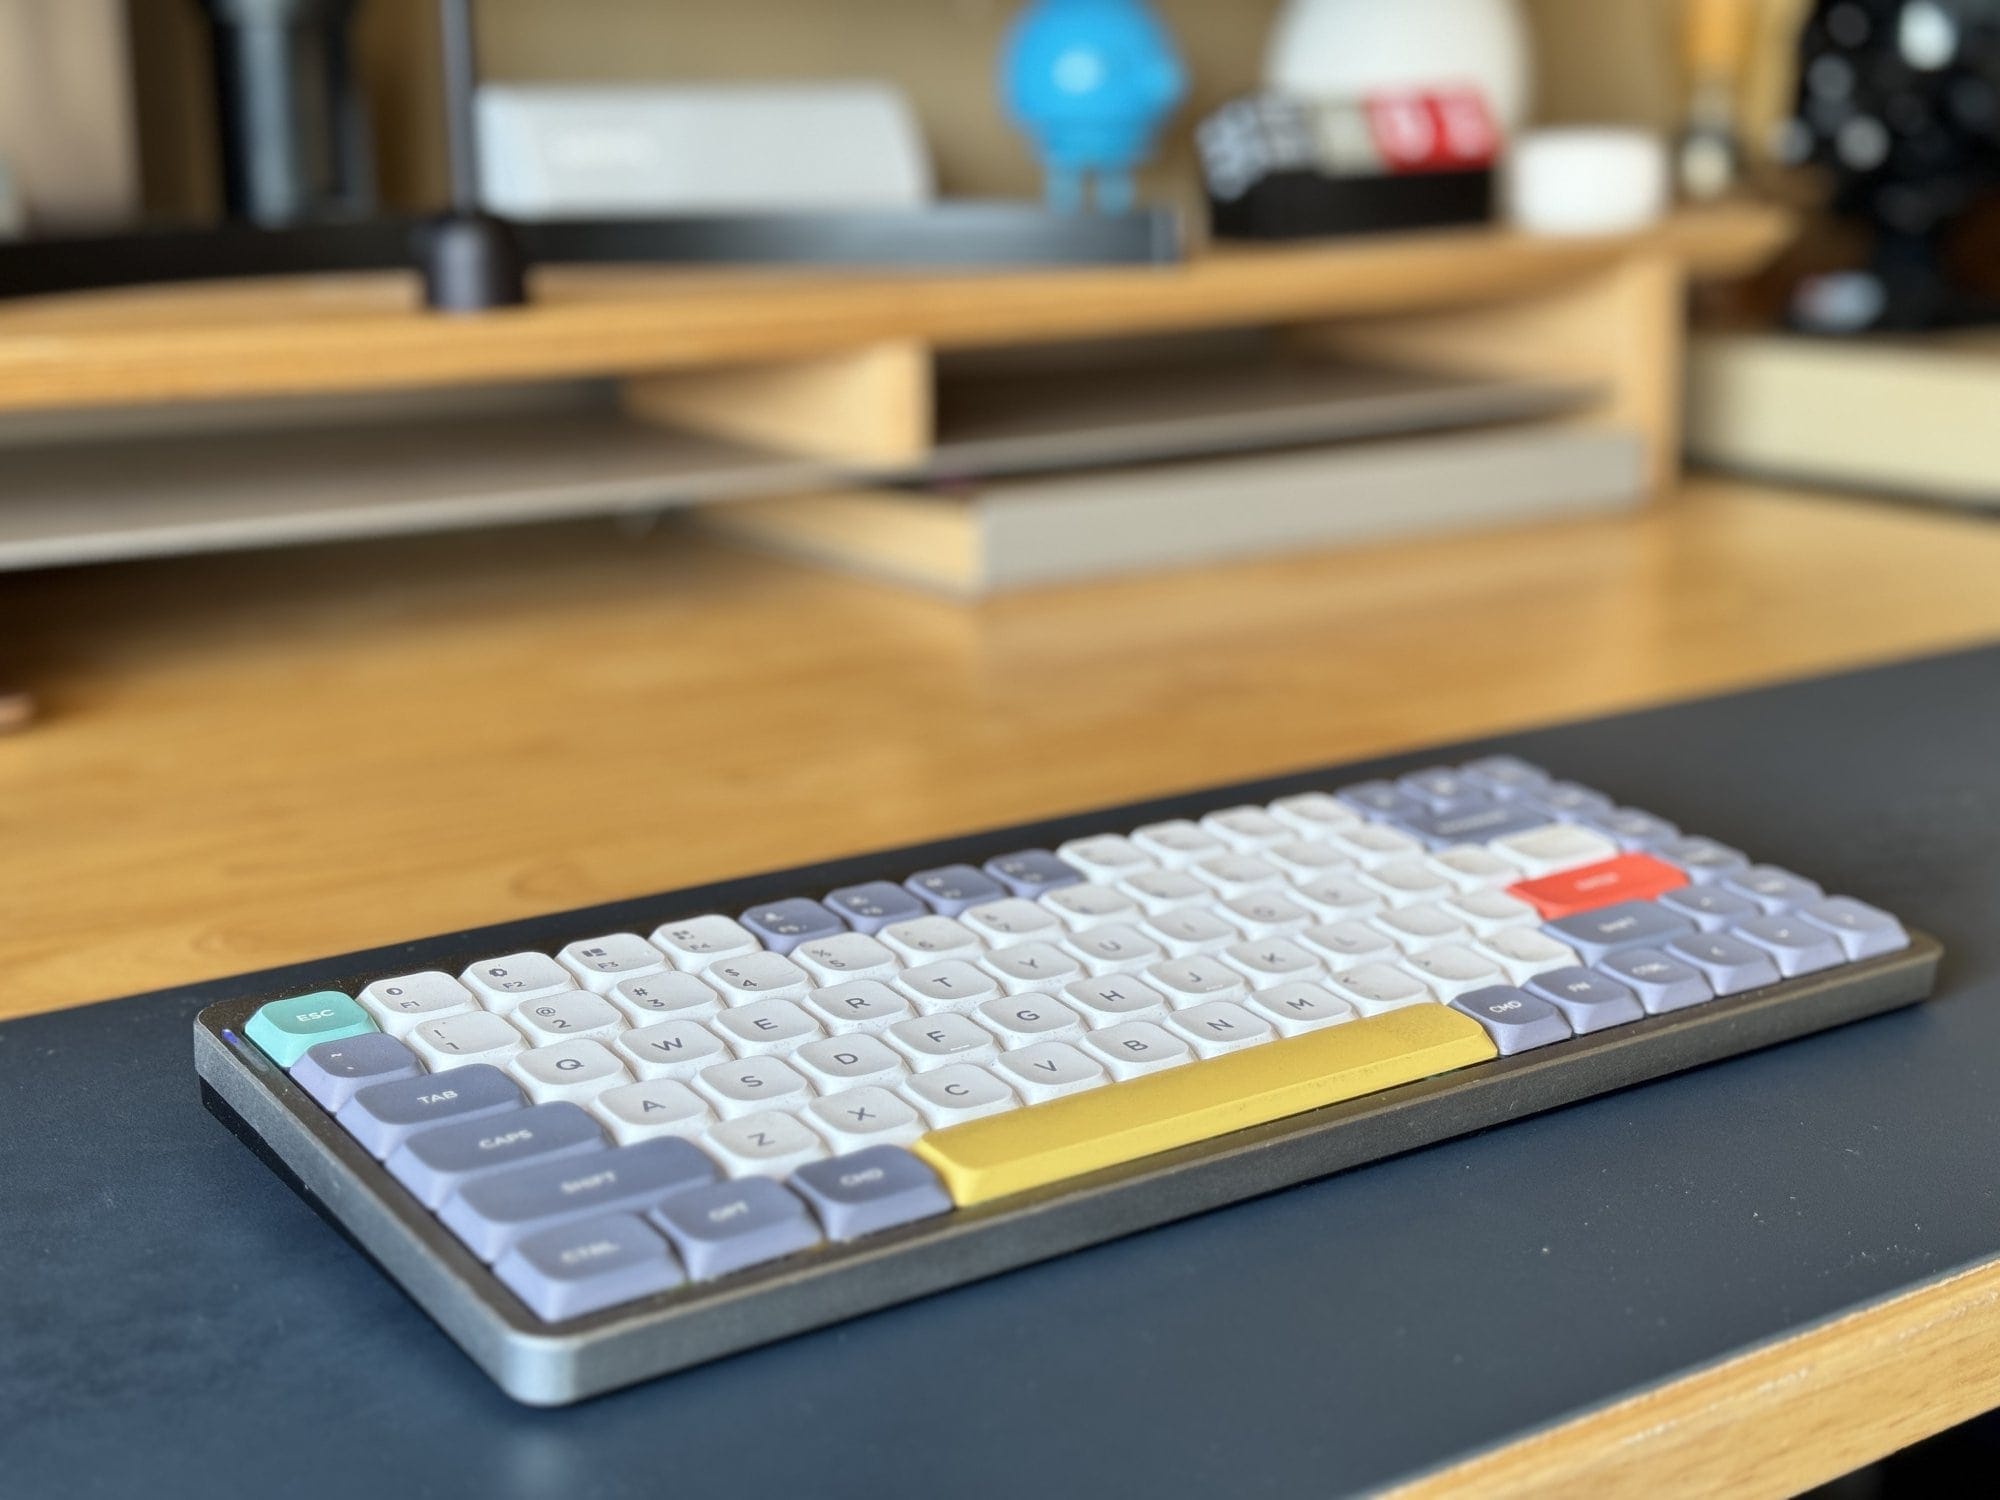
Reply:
x=871, y=907
x=1028, y=968
x=477, y=1036
x=766, y=1144
x=1314, y=813
x=860, y=1005
x=948, y=1095
x=492, y=1213
x=1189, y=930
x=1375, y=988
x=1104, y=857
x=1710, y=907
x=1018, y=1020
x=1082, y=907
x=668, y=996
x=1516, y=1020
x=1111, y=998
x=1507, y=775
x=1132, y=1049
x=1662, y=983
x=1603, y=882
x=1703, y=859
x=752, y=1084
x=402, y=1004
x=1558, y=847
x=1451, y=970
x=1863, y=931
x=669, y=1049
x=1032, y=872
x=1424, y=925
x=948, y=1037
x=836, y=1063
x=696, y=942
x=1248, y=829
x=764, y=1027
x=845, y=956
x=1730, y=965
x=574, y=1013
x=1628, y=924
x=1016, y=920
x=1190, y=981
x=1565, y=799
x=1028, y=1148
x=600, y=963
x=1442, y=787
x=1219, y=1026
x=782, y=925
x=923, y=940
x=1773, y=889
x=503, y=983
x=577, y=1269
x=1795, y=945
x=1300, y=1006
x=1049, y=1070
x=333, y=1072
x=384, y=1115
x=577, y=1071
x=1113, y=948
x=1524, y=952
x=869, y=1191
x=284, y=1029
x=1477, y=820
x=435, y=1163
x=863, y=1117
x=758, y=976
x=1632, y=828
x=651, y=1107
x=951, y=984
x=1381, y=799
x=731, y=1226
x=1177, y=843
x=1589, y=1002
x=950, y=889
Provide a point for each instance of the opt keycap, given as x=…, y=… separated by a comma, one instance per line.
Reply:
x=871, y=1190
x=1078, y=1133
x=729, y=1226
x=583, y=1268
x=285, y=1029
x=490, y=1213
x=1629, y=877
x=435, y=1163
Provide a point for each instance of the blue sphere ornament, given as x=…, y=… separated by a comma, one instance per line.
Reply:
x=1090, y=82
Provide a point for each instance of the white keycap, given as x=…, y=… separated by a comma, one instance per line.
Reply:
x=697, y=942
x=924, y=939
x=1107, y=856
x=1344, y=944
x=503, y=983
x=1487, y=912
x=1026, y=967
x=1374, y=988
x=1248, y=828
x=1334, y=898
x=652, y=1106
x=402, y=1004
x=1049, y=1070
x=1189, y=930
x=765, y=1144
x=758, y=976
x=1473, y=867
x=1525, y=952
x=599, y=963
x=1271, y=961
x=951, y=984
x=1553, y=847
x=669, y=995
x=1452, y=969
x=1176, y=843
x=1021, y=1019
x=1307, y=859
x=1114, y=946
x=860, y=1005
x=1198, y=977
x=764, y=1027
x=834, y=1063
x=1219, y=1026
x=955, y=1094
x=933, y=1041
x=577, y=1071
x=1370, y=844
x=1015, y=920
x=749, y=1085
x=1165, y=890
x=1133, y=1048
x=1403, y=881
x=670, y=1049
x=1113, y=998
x=575, y=1013
x=1417, y=927
x=1237, y=874
x=1263, y=914
x=473, y=1036
x=1314, y=813
x=1082, y=907
x=864, y=1117
x=845, y=956
x=1299, y=1007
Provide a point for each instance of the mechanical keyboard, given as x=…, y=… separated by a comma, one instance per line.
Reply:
x=602, y=1146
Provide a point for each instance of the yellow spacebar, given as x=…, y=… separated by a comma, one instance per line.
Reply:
x=1028, y=1148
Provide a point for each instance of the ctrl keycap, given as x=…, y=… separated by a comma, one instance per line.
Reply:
x=384, y=1115
x=586, y=1267
x=285, y=1029
x=729, y=1226
x=868, y=1191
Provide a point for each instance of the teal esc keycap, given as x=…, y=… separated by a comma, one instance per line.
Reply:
x=284, y=1029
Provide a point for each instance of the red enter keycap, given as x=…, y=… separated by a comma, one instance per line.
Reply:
x=1629, y=877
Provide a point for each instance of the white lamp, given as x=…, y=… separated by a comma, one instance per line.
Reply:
x=1345, y=49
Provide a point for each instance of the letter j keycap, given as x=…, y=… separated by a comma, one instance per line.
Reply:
x=284, y=1029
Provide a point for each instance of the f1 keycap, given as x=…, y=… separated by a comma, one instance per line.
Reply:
x=871, y=1190
x=730, y=1226
x=1628, y=924
x=285, y=1029
x=433, y=1164
x=1628, y=877
x=384, y=1115
x=334, y=1072
x=582, y=1268
x=491, y=1213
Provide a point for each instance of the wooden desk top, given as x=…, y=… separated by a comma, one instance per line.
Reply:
x=248, y=761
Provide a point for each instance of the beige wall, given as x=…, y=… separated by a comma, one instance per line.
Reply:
x=66, y=111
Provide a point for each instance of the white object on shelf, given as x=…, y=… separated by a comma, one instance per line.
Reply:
x=13, y=218
x=548, y=152
x=1348, y=49
x=1586, y=180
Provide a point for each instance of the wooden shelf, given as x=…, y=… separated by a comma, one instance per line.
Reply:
x=352, y=333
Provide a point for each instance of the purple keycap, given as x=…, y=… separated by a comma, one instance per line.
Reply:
x=729, y=1226
x=782, y=925
x=1796, y=946
x=1507, y=775
x=1379, y=799
x=1703, y=859
x=1710, y=907
x=490, y=1214
x=433, y=1164
x=1632, y=828
x=382, y=1116
x=1516, y=1020
x=1862, y=930
x=333, y=1072
x=1730, y=965
x=586, y=1267
x=870, y=1190
x=1589, y=1002
x=1441, y=788
x=1477, y=820
x=1772, y=888
x=951, y=889
x=1598, y=934
x=1567, y=801
x=871, y=907
x=1031, y=872
x=1661, y=983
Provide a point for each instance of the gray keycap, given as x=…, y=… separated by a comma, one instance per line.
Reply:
x=732, y=1225
x=333, y=1072
x=1730, y=965
x=1632, y=828
x=782, y=925
x=1442, y=787
x=1795, y=945
x=1863, y=930
x=1589, y=1002
x=1772, y=888
x=1473, y=822
x=1661, y=983
x=1703, y=859
x=871, y=1190
x=1629, y=924
x=871, y=907
x=384, y=1115
x=1381, y=799
x=1032, y=872
x=950, y=889
x=433, y=1164
x=1508, y=775
x=492, y=1213
x=1516, y=1020
x=1567, y=802
x=1710, y=907
x=583, y=1268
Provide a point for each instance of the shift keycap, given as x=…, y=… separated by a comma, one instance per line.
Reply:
x=491, y=1213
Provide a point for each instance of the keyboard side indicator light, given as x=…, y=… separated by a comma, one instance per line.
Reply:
x=285, y=1030
x=1629, y=877
x=1000, y=1155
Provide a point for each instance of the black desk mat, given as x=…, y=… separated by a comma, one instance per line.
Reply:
x=174, y=1321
